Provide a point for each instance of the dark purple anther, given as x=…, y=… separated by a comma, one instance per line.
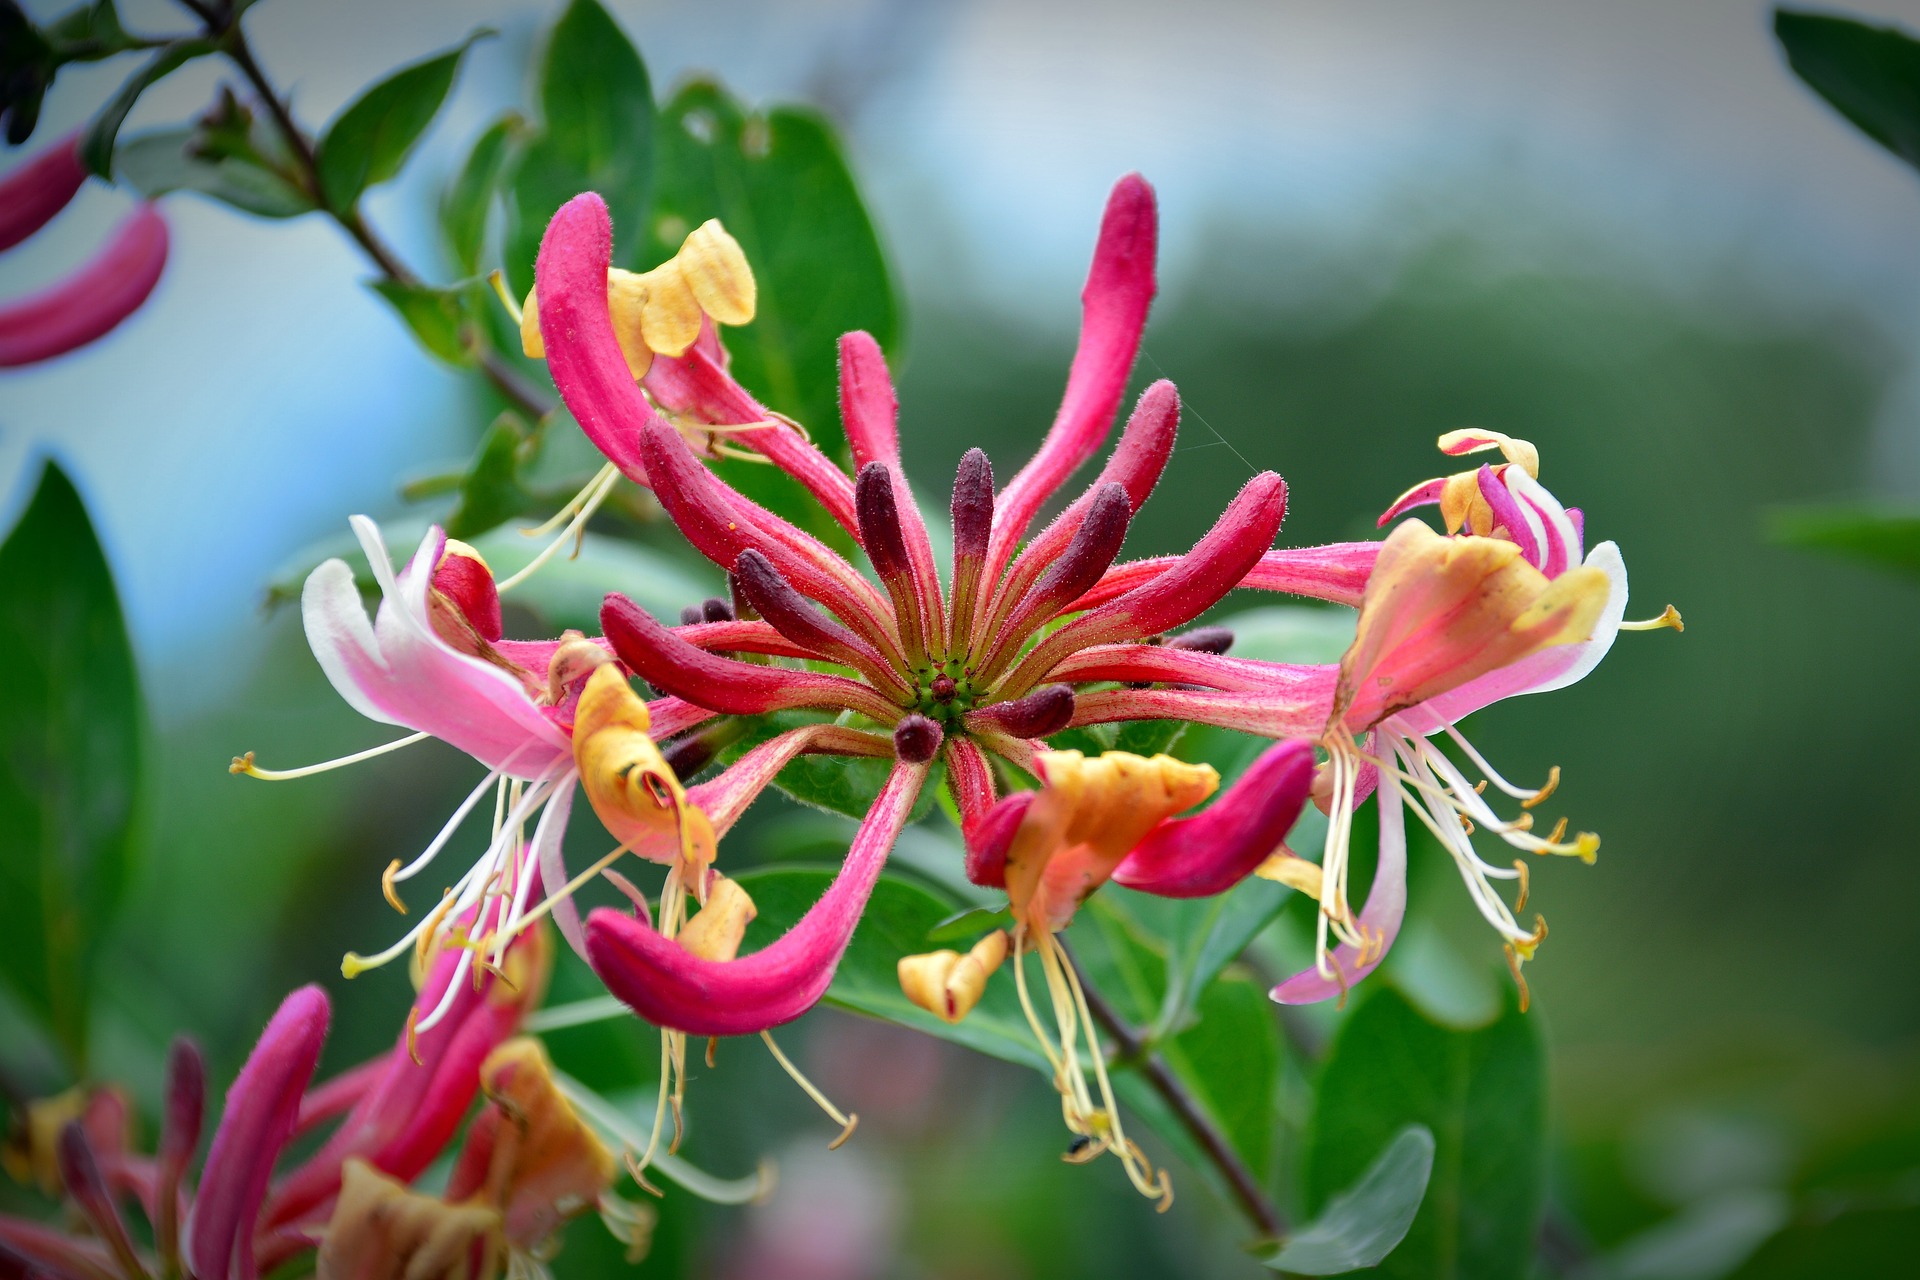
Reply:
x=714, y=609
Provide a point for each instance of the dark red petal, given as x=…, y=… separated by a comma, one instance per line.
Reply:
x=990, y=835
x=1047, y=710
x=796, y=618
x=1220, y=846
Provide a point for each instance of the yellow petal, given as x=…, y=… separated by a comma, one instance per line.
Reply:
x=1292, y=871
x=382, y=1230
x=947, y=984
x=531, y=342
x=669, y=314
x=530, y=1156
x=627, y=781
x=715, y=931
x=716, y=269
x=627, y=303
x=1474, y=439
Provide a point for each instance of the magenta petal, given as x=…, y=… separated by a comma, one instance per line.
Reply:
x=1271, y=715
x=258, y=1119
x=1508, y=515
x=577, y=328
x=868, y=405
x=990, y=835
x=38, y=189
x=1336, y=573
x=1220, y=846
x=670, y=987
x=1386, y=907
x=1114, y=305
x=93, y=300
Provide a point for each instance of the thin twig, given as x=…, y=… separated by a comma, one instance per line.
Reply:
x=1132, y=1047
x=506, y=379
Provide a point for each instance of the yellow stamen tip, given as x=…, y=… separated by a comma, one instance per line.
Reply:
x=242, y=764
x=386, y=888
x=1552, y=785
x=853, y=1122
x=353, y=964
x=1669, y=617
x=413, y=1037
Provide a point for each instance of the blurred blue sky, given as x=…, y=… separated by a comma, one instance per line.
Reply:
x=264, y=394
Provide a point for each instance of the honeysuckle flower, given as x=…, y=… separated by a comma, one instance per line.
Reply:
x=973, y=659
x=92, y=301
x=1092, y=820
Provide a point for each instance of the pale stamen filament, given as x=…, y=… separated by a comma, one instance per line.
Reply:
x=1669, y=617
x=847, y=1122
x=561, y=516
x=499, y=284
x=1132, y=1159
x=1526, y=798
x=244, y=763
x=600, y=489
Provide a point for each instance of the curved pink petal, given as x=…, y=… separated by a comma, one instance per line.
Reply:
x=989, y=835
x=1521, y=525
x=1220, y=846
x=725, y=797
x=1168, y=664
x=399, y=671
x=88, y=304
x=1136, y=465
x=670, y=987
x=576, y=326
x=868, y=407
x=969, y=778
x=258, y=1119
x=38, y=189
x=1379, y=920
x=1421, y=495
x=1217, y=563
x=1542, y=672
x=1336, y=573
x=1113, y=313
x=1303, y=714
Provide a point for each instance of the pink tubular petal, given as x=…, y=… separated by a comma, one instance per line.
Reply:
x=1508, y=515
x=725, y=797
x=1216, y=565
x=741, y=637
x=990, y=834
x=34, y=1251
x=93, y=300
x=405, y=1117
x=399, y=671
x=1336, y=573
x=1100, y=529
x=575, y=324
x=673, y=666
x=1114, y=305
x=255, y=1124
x=1267, y=714
x=969, y=778
x=669, y=987
x=868, y=406
x=1381, y=917
x=1219, y=847
x=800, y=621
x=1145, y=445
x=669, y=716
x=38, y=189
x=721, y=523
x=699, y=389
x=1169, y=664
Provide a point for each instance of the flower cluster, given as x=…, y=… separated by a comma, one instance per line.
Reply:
x=1025, y=635
x=527, y=1163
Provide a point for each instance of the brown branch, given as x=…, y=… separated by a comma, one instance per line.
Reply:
x=506, y=379
x=1132, y=1047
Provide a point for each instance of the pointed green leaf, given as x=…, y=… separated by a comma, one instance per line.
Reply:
x=468, y=201
x=596, y=134
x=782, y=187
x=1363, y=1224
x=1871, y=75
x=1885, y=538
x=1483, y=1095
x=70, y=747
x=160, y=161
x=441, y=318
x=96, y=148
x=369, y=141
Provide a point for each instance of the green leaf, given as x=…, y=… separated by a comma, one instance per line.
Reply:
x=896, y=923
x=368, y=142
x=1885, y=538
x=464, y=208
x=1363, y=1224
x=162, y=160
x=441, y=318
x=781, y=186
x=1483, y=1095
x=596, y=135
x=96, y=149
x=70, y=748
x=1867, y=1240
x=89, y=32
x=1148, y=737
x=1869, y=74
x=491, y=491
x=965, y=926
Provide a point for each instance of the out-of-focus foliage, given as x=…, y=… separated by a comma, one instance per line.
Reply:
x=1366, y=1222
x=70, y=752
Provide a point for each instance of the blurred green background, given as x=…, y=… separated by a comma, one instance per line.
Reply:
x=1626, y=233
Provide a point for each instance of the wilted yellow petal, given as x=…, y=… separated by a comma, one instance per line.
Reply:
x=382, y=1230
x=1292, y=871
x=716, y=269
x=947, y=984
x=715, y=931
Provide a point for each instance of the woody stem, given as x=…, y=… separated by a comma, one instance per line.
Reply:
x=1132, y=1047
